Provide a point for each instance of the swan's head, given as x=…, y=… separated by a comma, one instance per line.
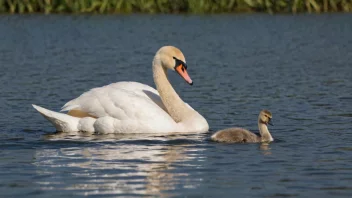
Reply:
x=172, y=58
x=265, y=117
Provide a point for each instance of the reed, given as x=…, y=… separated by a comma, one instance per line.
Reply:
x=173, y=6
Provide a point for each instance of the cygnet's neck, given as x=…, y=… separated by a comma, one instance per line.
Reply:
x=172, y=101
x=264, y=132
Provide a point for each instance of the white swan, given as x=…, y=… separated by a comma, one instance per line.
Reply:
x=240, y=135
x=132, y=107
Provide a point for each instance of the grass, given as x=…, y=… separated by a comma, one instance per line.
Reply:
x=174, y=6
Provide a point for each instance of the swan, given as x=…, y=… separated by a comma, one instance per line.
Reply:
x=240, y=135
x=132, y=107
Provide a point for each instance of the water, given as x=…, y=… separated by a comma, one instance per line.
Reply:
x=298, y=67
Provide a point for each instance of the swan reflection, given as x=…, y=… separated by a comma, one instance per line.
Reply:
x=117, y=164
x=264, y=147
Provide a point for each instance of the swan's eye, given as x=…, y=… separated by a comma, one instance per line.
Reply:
x=178, y=62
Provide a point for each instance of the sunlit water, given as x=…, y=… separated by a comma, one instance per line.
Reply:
x=298, y=67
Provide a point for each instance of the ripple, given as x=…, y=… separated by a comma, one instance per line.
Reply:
x=349, y=115
x=344, y=148
x=283, y=195
x=337, y=188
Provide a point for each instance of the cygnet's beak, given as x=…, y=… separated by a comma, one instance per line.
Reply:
x=182, y=70
x=270, y=123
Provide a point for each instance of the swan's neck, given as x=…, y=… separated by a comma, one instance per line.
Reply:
x=264, y=132
x=173, y=103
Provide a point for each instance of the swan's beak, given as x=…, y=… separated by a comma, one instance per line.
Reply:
x=183, y=73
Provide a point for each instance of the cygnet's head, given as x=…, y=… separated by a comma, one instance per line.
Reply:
x=265, y=117
x=172, y=58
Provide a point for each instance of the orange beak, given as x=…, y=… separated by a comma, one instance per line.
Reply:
x=183, y=73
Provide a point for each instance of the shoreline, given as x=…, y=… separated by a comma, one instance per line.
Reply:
x=177, y=7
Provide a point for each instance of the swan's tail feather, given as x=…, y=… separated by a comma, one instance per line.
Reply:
x=68, y=107
x=61, y=121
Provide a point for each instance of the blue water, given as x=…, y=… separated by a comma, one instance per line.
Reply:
x=299, y=67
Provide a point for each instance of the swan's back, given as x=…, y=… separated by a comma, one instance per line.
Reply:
x=239, y=135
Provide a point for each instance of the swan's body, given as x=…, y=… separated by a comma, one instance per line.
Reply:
x=132, y=107
x=240, y=135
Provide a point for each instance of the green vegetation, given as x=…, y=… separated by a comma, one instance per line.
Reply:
x=173, y=6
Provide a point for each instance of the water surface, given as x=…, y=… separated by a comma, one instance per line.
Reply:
x=298, y=67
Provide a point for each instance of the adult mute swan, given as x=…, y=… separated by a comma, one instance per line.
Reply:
x=240, y=135
x=132, y=107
